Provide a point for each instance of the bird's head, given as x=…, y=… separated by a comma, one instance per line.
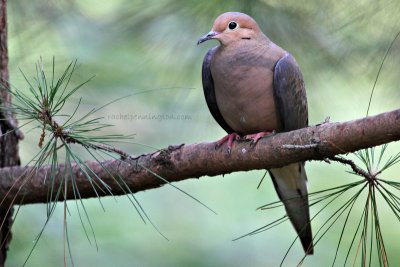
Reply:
x=230, y=27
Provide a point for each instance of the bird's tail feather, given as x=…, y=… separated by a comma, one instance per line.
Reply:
x=291, y=185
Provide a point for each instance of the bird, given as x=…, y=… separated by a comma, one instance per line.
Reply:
x=253, y=88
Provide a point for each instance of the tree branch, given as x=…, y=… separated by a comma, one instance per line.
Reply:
x=8, y=142
x=177, y=163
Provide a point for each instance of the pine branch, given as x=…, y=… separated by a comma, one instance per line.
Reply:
x=177, y=163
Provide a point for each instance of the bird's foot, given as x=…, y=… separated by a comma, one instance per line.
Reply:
x=229, y=140
x=257, y=136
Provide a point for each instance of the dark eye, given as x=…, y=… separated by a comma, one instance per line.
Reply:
x=232, y=25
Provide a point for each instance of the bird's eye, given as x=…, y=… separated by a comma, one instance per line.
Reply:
x=232, y=25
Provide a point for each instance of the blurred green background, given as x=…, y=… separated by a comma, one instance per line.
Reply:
x=135, y=46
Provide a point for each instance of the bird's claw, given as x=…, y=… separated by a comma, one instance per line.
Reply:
x=229, y=140
x=254, y=138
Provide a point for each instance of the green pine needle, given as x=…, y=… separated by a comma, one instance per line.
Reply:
x=61, y=133
x=336, y=207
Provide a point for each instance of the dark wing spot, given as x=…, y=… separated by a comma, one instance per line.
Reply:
x=299, y=192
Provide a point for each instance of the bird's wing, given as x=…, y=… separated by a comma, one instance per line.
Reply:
x=209, y=92
x=290, y=94
x=291, y=181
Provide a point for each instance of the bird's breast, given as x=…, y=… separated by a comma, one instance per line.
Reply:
x=243, y=81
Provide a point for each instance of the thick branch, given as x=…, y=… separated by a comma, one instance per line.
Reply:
x=8, y=142
x=196, y=160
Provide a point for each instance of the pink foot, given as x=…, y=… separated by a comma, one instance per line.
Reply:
x=229, y=140
x=255, y=137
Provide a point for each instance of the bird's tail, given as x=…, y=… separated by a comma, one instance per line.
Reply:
x=291, y=185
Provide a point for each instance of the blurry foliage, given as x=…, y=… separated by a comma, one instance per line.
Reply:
x=139, y=45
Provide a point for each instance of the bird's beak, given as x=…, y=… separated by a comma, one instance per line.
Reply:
x=207, y=37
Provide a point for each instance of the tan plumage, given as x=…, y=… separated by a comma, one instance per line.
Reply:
x=252, y=85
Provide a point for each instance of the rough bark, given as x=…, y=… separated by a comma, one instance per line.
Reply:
x=8, y=143
x=181, y=162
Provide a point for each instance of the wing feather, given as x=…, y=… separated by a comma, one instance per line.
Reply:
x=209, y=91
x=291, y=181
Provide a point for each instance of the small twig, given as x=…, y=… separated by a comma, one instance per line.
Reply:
x=370, y=177
x=300, y=146
x=64, y=134
x=327, y=120
x=108, y=148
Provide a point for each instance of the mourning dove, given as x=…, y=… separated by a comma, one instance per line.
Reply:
x=252, y=88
